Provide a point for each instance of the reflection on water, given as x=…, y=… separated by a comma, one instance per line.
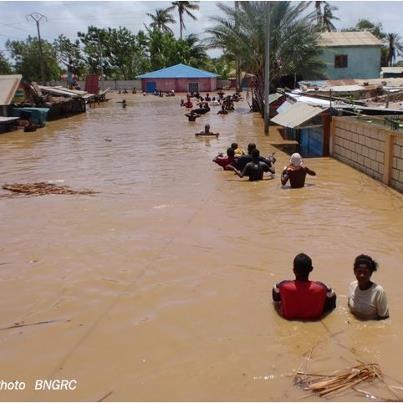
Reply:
x=163, y=280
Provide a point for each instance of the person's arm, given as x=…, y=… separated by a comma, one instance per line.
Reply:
x=310, y=172
x=276, y=293
x=382, y=308
x=284, y=176
x=268, y=168
x=330, y=301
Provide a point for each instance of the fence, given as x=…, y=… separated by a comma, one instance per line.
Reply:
x=369, y=147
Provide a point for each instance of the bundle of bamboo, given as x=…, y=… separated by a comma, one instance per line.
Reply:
x=341, y=380
x=43, y=188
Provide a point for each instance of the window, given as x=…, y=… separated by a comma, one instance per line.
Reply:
x=340, y=61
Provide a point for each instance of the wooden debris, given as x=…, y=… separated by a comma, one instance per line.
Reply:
x=43, y=188
x=44, y=322
x=325, y=385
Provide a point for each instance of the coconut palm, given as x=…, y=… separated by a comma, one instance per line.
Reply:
x=293, y=39
x=328, y=17
x=324, y=18
x=318, y=9
x=184, y=7
x=160, y=20
x=395, y=47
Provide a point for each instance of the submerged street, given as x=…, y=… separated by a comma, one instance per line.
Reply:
x=159, y=286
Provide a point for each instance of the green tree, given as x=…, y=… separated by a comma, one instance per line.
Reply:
x=94, y=47
x=160, y=20
x=222, y=66
x=69, y=52
x=27, y=59
x=293, y=39
x=394, y=46
x=189, y=51
x=5, y=66
x=184, y=7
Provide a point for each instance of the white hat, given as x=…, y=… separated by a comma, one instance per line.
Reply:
x=296, y=160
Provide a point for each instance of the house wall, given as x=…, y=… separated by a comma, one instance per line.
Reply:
x=363, y=62
x=371, y=149
x=181, y=84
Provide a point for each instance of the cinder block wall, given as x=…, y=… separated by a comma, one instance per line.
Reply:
x=397, y=164
x=370, y=148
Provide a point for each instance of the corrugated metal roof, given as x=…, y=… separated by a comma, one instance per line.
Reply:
x=8, y=86
x=284, y=107
x=179, y=71
x=361, y=38
x=274, y=97
x=297, y=114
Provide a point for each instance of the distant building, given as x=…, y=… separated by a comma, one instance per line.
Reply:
x=180, y=78
x=350, y=55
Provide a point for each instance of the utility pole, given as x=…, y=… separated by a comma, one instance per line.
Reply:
x=37, y=17
x=267, y=70
x=100, y=60
x=237, y=61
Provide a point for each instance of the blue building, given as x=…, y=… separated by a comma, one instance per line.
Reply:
x=350, y=55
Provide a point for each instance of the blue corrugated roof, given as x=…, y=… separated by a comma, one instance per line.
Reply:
x=179, y=71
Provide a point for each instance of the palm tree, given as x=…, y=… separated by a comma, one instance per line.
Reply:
x=328, y=17
x=184, y=7
x=293, y=39
x=318, y=9
x=324, y=18
x=395, y=47
x=160, y=20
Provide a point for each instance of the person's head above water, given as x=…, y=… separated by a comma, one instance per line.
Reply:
x=230, y=152
x=251, y=147
x=364, y=266
x=207, y=128
x=234, y=146
x=296, y=160
x=302, y=266
x=255, y=154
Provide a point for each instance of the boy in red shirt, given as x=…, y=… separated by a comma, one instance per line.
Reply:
x=225, y=161
x=301, y=298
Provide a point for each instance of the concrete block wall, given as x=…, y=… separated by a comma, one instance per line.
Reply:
x=370, y=148
x=397, y=164
x=359, y=145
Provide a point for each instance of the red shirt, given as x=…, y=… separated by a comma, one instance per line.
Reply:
x=302, y=299
x=223, y=161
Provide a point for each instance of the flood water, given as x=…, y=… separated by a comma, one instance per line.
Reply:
x=159, y=286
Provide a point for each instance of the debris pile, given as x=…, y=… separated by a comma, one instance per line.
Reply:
x=325, y=385
x=43, y=188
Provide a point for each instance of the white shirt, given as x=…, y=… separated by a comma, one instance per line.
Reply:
x=368, y=304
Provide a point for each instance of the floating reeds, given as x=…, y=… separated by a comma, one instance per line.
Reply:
x=43, y=188
x=341, y=380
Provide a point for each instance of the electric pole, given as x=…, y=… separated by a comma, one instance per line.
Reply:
x=37, y=17
x=237, y=61
x=267, y=70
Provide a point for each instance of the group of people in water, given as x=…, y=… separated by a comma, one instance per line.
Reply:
x=253, y=165
x=227, y=104
x=310, y=300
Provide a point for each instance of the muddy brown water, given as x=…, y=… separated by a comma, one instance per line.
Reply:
x=160, y=285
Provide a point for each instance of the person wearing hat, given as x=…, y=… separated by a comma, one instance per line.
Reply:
x=301, y=298
x=296, y=172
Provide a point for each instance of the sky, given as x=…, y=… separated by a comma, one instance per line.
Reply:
x=69, y=17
